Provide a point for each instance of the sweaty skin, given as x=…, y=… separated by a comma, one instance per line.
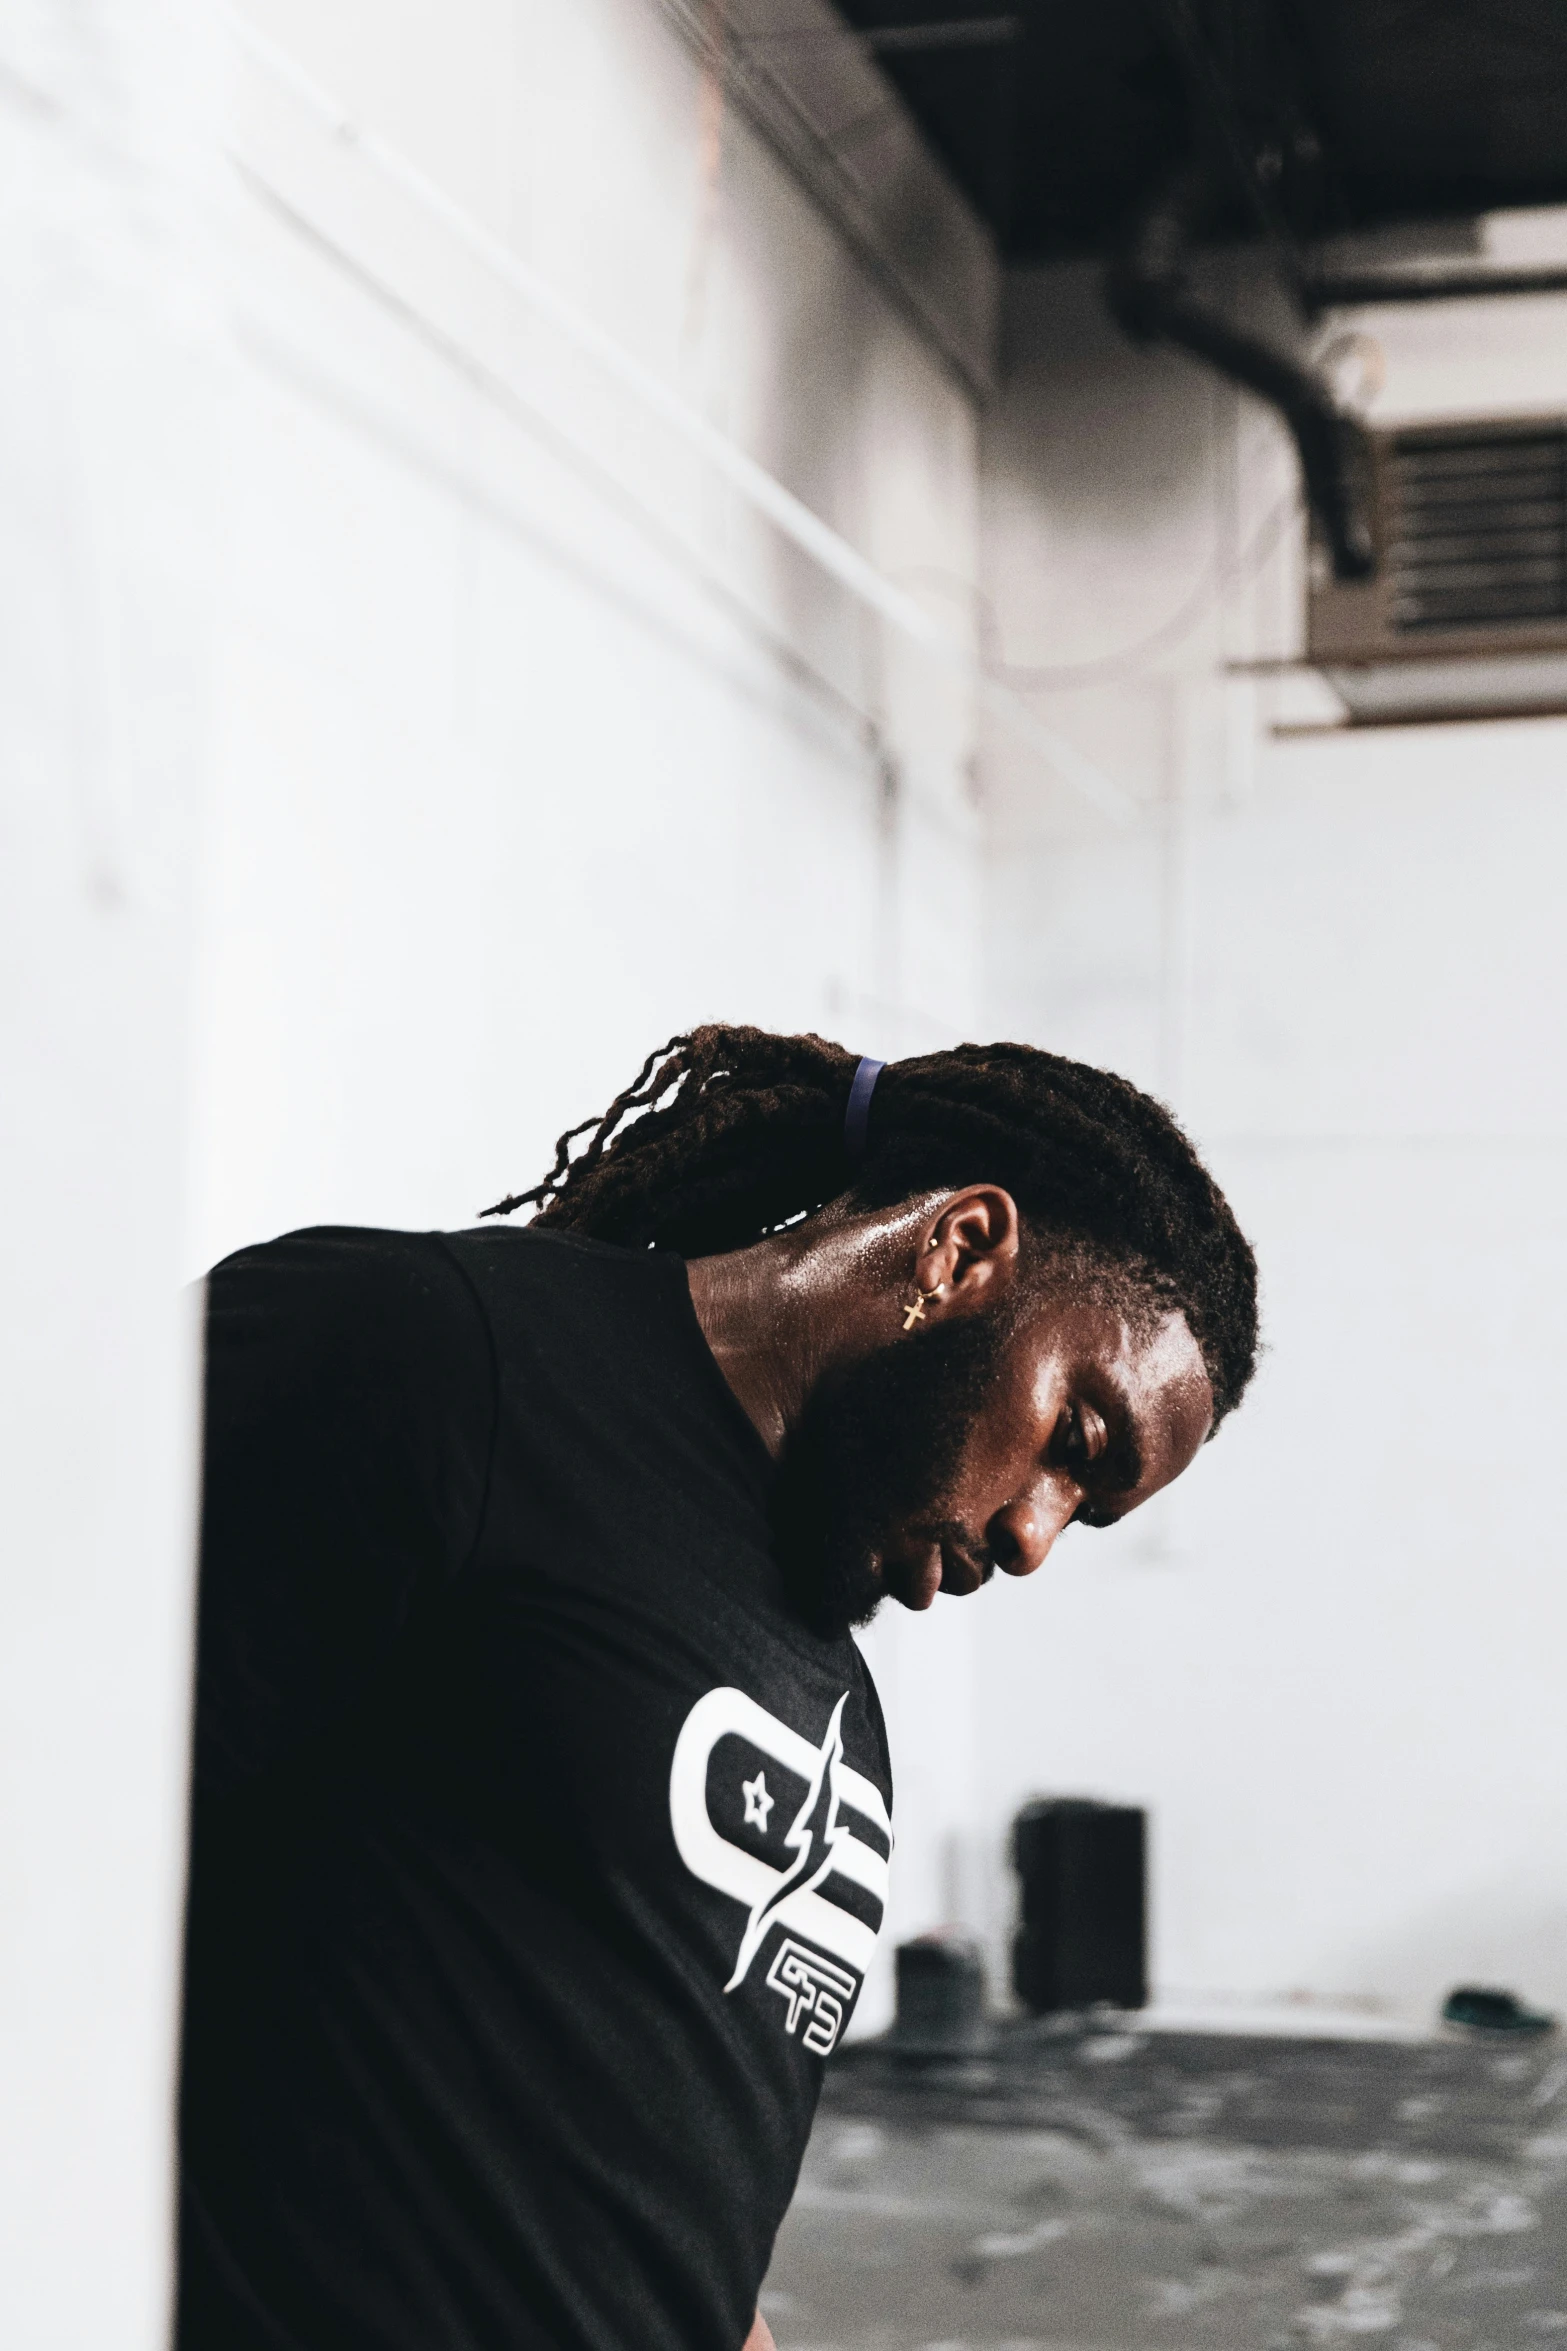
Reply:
x=1091, y=1413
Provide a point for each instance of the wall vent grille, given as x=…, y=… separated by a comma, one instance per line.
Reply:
x=1477, y=529
x=1465, y=613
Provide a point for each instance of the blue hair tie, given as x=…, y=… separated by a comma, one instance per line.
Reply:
x=856, y=1119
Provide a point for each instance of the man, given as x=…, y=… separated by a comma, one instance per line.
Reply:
x=540, y=1825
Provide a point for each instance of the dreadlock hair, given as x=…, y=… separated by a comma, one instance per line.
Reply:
x=731, y=1134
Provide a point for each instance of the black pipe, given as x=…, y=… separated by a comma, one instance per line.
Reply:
x=1149, y=294
x=1212, y=96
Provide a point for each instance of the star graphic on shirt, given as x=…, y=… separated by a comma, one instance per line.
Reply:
x=758, y=1803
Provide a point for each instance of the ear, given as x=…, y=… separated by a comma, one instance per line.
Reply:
x=968, y=1254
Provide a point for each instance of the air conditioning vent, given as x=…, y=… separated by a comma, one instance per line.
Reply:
x=1467, y=610
x=1478, y=528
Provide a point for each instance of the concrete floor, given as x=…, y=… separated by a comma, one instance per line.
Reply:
x=1115, y=2190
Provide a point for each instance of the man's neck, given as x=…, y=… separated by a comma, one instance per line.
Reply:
x=752, y=1321
x=784, y=1311
x=779, y=1314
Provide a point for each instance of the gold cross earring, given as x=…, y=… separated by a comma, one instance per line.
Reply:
x=916, y=1312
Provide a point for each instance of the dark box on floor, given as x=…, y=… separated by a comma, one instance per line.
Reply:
x=1084, y=1931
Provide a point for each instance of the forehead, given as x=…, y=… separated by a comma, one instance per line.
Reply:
x=1075, y=1317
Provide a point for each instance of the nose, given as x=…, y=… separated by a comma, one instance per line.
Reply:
x=1021, y=1534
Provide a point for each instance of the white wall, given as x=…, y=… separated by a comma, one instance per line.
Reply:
x=507, y=791
x=109, y=357
x=1330, y=1661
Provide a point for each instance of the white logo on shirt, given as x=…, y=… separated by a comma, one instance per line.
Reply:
x=820, y=1838
x=809, y=1982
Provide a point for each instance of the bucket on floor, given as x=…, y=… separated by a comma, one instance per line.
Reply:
x=941, y=1998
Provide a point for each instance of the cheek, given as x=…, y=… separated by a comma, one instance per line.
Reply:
x=1002, y=1457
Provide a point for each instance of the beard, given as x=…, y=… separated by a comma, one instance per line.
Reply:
x=877, y=1447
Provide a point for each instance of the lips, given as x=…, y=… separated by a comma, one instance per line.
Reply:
x=924, y=1581
x=915, y=1577
x=959, y=1573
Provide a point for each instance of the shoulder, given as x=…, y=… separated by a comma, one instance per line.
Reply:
x=367, y=1315
x=540, y=1283
x=328, y=1270
x=545, y=1255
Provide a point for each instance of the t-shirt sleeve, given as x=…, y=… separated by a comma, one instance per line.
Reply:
x=350, y=1414
x=878, y=1723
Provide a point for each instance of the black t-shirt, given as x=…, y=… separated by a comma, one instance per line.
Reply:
x=538, y=1850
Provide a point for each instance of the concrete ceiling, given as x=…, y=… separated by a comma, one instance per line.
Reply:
x=1058, y=120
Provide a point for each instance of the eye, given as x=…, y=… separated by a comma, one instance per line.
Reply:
x=1080, y=1437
